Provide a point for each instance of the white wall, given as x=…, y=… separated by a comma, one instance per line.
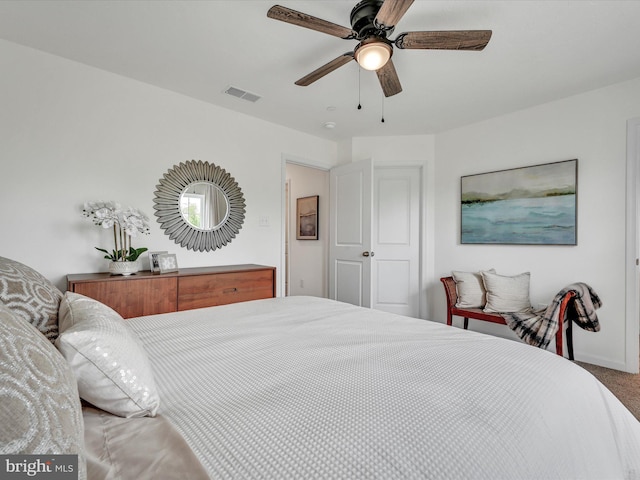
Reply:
x=71, y=133
x=308, y=259
x=590, y=127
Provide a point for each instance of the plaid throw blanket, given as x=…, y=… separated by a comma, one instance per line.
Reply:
x=539, y=328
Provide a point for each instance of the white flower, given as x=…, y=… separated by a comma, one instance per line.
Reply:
x=129, y=221
x=134, y=221
x=106, y=217
x=104, y=214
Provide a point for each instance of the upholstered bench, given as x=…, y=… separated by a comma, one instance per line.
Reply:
x=478, y=314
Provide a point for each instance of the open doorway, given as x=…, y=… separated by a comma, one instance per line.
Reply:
x=306, y=259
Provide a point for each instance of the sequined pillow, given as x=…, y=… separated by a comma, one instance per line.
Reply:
x=40, y=410
x=107, y=358
x=31, y=296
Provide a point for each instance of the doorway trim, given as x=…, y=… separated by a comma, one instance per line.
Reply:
x=293, y=160
x=632, y=307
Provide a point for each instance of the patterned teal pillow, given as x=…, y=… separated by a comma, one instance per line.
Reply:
x=31, y=296
x=40, y=410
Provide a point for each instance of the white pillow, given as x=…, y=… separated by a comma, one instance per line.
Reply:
x=507, y=294
x=108, y=360
x=470, y=288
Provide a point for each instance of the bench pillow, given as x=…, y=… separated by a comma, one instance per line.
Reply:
x=507, y=294
x=470, y=288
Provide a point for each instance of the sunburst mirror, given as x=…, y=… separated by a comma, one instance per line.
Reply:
x=199, y=205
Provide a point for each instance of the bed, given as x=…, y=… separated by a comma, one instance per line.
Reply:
x=303, y=387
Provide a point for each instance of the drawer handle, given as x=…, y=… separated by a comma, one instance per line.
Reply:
x=230, y=290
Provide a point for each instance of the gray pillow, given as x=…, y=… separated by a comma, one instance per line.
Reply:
x=40, y=410
x=507, y=294
x=470, y=289
x=31, y=296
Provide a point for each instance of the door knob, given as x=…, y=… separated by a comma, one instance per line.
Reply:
x=368, y=254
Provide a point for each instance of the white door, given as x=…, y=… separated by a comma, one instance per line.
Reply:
x=350, y=233
x=374, y=250
x=396, y=240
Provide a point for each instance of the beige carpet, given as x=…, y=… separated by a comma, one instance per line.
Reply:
x=625, y=386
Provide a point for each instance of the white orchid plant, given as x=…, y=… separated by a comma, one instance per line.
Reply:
x=126, y=223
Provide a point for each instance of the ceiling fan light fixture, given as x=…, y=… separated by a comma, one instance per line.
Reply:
x=373, y=55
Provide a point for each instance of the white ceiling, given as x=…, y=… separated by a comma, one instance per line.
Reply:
x=540, y=51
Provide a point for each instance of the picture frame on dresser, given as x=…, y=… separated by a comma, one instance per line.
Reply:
x=154, y=266
x=168, y=262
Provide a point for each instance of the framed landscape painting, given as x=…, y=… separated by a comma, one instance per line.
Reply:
x=534, y=205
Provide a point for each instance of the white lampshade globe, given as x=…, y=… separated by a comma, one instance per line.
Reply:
x=373, y=56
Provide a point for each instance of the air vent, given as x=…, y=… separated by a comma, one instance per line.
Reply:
x=243, y=94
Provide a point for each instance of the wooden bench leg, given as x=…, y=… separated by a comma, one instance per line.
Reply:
x=559, y=333
x=466, y=322
x=570, y=339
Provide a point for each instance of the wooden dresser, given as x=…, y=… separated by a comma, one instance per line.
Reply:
x=145, y=293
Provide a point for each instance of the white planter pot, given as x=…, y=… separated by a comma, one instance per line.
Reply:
x=123, y=268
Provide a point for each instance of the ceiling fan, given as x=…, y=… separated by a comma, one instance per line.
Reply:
x=372, y=21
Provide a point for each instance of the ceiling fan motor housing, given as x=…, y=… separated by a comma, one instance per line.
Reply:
x=362, y=19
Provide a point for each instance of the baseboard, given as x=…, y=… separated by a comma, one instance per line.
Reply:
x=601, y=362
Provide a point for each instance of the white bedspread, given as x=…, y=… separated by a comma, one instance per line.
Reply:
x=303, y=388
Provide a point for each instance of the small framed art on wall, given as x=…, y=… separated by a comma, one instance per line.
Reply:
x=307, y=218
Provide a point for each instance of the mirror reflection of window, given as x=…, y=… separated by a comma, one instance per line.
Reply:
x=191, y=208
x=204, y=206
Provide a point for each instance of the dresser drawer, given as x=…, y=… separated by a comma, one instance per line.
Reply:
x=200, y=291
x=135, y=297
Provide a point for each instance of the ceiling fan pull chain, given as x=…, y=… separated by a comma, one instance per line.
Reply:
x=382, y=119
x=359, y=104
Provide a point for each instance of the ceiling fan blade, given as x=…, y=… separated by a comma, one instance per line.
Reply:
x=325, y=69
x=391, y=12
x=287, y=15
x=389, y=80
x=450, y=40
